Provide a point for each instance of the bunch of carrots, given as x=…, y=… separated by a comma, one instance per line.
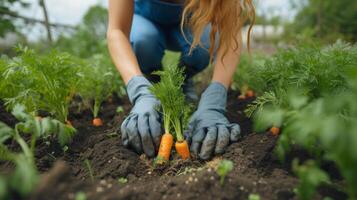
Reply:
x=175, y=113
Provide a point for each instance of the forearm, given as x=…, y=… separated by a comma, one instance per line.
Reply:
x=123, y=55
x=119, y=26
x=224, y=71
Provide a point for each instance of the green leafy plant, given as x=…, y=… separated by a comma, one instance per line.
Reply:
x=80, y=196
x=223, y=169
x=89, y=169
x=245, y=77
x=25, y=176
x=310, y=177
x=254, y=197
x=311, y=93
x=40, y=82
x=98, y=83
x=122, y=180
x=313, y=70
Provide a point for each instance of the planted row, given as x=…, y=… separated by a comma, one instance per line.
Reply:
x=310, y=93
x=47, y=83
x=39, y=90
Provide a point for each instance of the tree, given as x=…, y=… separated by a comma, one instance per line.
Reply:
x=327, y=19
x=96, y=21
x=47, y=22
x=7, y=23
x=89, y=37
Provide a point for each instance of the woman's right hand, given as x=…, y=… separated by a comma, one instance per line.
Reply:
x=141, y=130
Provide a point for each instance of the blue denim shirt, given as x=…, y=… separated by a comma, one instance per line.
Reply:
x=160, y=12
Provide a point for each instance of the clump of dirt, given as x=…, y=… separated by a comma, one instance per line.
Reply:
x=96, y=160
x=6, y=117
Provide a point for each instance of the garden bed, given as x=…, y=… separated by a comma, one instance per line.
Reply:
x=96, y=159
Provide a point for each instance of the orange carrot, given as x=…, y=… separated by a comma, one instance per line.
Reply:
x=241, y=97
x=275, y=131
x=249, y=93
x=182, y=149
x=97, y=122
x=166, y=143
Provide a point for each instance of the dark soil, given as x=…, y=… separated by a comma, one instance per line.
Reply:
x=256, y=169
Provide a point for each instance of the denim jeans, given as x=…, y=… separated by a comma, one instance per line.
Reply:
x=155, y=28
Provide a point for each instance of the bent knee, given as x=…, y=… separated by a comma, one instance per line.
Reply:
x=149, y=53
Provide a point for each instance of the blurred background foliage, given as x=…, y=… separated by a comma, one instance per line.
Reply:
x=324, y=20
x=288, y=22
x=6, y=23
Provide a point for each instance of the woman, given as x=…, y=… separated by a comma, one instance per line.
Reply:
x=140, y=30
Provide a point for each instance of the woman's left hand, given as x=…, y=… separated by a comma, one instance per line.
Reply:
x=209, y=132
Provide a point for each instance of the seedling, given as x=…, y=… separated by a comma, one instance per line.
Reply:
x=120, y=109
x=254, y=197
x=89, y=169
x=80, y=196
x=122, y=180
x=65, y=148
x=113, y=134
x=223, y=169
x=97, y=86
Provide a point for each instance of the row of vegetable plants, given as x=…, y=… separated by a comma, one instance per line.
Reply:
x=309, y=92
x=39, y=89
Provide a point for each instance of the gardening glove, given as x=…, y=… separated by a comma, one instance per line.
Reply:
x=209, y=132
x=141, y=130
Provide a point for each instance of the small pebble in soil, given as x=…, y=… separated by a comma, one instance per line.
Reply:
x=149, y=172
x=70, y=196
x=241, y=188
x=103, y=182
x=193, y=174
x=196, y=180
x=261, y=181
x=212, y=178
x=99, y=189
x=186, y=182
x=190, y=179
x=209, y=169
x=164, y=197
x=178, y=195
x=109, y=161
x=109, y=185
